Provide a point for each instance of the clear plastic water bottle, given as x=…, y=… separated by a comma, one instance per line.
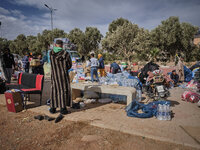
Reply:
x=168, y=113
x=159, y=112
x=139, y=95
x=76, y=78
x=164, y=112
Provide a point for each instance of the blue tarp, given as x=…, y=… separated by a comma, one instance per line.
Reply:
x=194, y=71
x=187, y=74
x=149, y=110
x=139, y=84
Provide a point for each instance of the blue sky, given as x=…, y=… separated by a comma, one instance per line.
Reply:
x=30, y=17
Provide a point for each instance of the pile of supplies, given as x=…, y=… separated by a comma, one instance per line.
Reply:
x=123, y=79
x=190, y=96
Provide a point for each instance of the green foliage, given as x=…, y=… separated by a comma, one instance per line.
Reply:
x=190, y=50
x=123, y=41
x=20, y=44
x=4, y=43
x=85, y=42
x=47, y=36
x=128, y=40
x=109, y=57
x=167, y=36
x=77, y=37
x=116, y=23
x=92, y=39
x=154, y=53
x=174, y=37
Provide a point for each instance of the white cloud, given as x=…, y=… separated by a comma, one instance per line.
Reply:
x=13, y=26
x=18, y=14
x=4, y=11
x=98, y=13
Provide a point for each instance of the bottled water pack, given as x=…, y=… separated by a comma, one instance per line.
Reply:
x=163, y=112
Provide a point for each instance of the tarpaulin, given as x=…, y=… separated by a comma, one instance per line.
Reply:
x=188, y=74
x=190, y=97
x=148, y=67
x=149, y=110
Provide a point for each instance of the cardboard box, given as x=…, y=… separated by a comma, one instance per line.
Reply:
x=14, y=101
x=71, y=76
x=76, y=93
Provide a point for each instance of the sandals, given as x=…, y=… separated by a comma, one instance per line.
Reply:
x=40, y=117
x=59, y=118
x=64, y=111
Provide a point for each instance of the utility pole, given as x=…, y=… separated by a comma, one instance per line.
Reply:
x=51, y=11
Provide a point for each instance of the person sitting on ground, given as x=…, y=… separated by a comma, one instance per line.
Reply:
x=174, y=76
x=115, y=68
x=94, y=64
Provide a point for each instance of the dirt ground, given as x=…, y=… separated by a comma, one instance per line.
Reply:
x=20, y=131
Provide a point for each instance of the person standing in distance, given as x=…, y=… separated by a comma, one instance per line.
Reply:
x=25, y=62
x=101, y=66
x=9, y=62
x=180, y=69
x=94, y=64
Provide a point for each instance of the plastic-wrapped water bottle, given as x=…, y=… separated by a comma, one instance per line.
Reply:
x=76, y=78
x=159, y=112
x=168, y=112
x=123, y=82
x=165, y=115
x=139, y=95
x=163, y=112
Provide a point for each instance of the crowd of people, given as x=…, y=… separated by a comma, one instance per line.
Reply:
x=93, y=66
x=10, y=63
x=35, y=69
x=96, y=67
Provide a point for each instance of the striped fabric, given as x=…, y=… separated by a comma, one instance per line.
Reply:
x=60, y=83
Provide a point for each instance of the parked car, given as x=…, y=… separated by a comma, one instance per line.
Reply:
x=74, y=56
